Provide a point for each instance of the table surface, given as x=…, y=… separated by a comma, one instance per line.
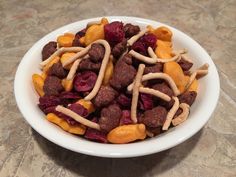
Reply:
x=210, y=153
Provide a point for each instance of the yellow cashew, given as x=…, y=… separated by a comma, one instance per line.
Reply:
x=75, y=129
x=127, y=133
x=38, y=82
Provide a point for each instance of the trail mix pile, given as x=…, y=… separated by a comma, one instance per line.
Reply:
x=116, y=83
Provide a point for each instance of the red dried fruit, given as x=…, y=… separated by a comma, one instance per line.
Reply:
x=146, y=101
x=123, y=100
x=126, y=118
x=77, y=108
x=149, y=40
x=48, y=101
x=84, y=81
x=68, y=97
x=95, y=135
x=141, y=46
x=114, y=32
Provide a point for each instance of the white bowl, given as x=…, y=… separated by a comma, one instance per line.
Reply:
x=201, y=110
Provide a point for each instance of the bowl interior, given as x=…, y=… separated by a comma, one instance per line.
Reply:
x=201, y=110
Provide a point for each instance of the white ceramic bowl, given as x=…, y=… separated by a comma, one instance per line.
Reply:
x=201, y=110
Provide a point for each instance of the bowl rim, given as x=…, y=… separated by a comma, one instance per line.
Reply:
x=125, y=150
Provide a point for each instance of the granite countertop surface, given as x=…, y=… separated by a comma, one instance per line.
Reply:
x=209, y=153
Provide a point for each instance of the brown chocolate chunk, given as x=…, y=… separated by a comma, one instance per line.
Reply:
x=96, y=52
x=157, y=68
x=188, y=97
x=52, y=86
x=124, y=73
x=48, y=50
x=154, y=117
x=105, y=96
x=185, y=65
x=57, y=70
x=131, y=30
x=110, y=117
x=87, y=64
x=119, y=48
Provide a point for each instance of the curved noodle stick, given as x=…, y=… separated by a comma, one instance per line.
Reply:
x=77, y=55
x=171, y=114
x=102, y=69
x=137, y=83
x=133, y=39
x=183, y=116
x=164, y=76
x=142, y=58
x=59, y=52
x=77, y=117
x=162, y=60
x=73, y=69
x=155, y=93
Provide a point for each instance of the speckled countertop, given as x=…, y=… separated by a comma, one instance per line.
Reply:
x=210, y=153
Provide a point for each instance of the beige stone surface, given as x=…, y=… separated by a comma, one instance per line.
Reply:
x=210, y=153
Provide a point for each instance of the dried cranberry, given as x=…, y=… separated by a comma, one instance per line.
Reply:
x=114, y=32
x=78, y=109
x=68, y=97
x=146, y=101
x=139, y=47
x=85, y=81
x=125, y=118
x=123, y=100
x=95, y=135
x=48, y=101
x=149, y=40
